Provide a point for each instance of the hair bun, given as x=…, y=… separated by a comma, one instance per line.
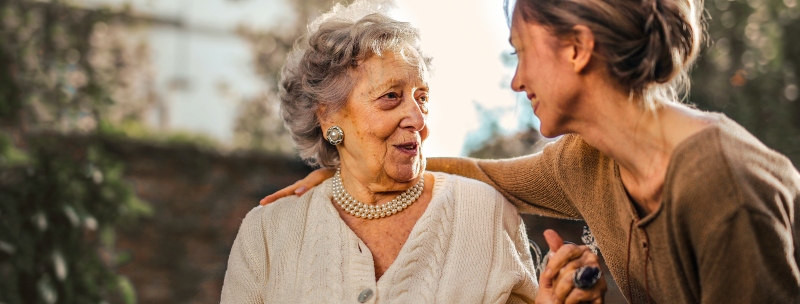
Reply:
x=666, y=50
x=648, y=48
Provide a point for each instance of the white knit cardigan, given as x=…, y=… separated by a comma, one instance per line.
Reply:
x=470, y=246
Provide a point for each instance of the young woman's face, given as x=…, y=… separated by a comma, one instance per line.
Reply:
x=384, y=121
x=545, y=73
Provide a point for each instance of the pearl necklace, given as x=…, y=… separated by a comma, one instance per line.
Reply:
x=361, y=210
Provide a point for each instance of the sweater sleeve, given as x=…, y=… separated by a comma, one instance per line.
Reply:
x=247, y=263
x=530, y=182
x=515, y=227
x=749, y=260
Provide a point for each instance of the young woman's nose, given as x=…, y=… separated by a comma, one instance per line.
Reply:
x=516, y=82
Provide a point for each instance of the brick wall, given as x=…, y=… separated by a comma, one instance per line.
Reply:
x=199, y=197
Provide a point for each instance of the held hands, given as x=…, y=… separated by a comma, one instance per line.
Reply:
x=556, y=284
x=301, y=186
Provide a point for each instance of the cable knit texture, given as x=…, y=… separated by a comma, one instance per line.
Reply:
x=726, y=230
x=470, y=246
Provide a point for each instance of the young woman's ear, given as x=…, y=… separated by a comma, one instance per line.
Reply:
x=582, y=42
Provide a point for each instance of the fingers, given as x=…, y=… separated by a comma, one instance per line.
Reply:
x=292, y=189
x=577, y=296
x=563, y=284
x=553, y=240
x=594, y=295
x=558, y=260
x=556, y=285
x=298, y=188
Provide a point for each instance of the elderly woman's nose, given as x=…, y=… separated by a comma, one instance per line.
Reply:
x=415, y=117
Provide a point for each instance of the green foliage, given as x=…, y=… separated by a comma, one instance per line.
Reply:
x=60, y=202
x=135, y=129
x=57, y=206
x=750, y=67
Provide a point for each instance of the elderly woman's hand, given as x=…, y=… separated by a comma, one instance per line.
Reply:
x=298, y=188
x=556, y=284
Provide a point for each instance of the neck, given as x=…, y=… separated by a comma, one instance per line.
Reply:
x=641, y=141
x=373, y=189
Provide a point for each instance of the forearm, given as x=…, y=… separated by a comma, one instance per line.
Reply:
x=462, y=166
x=526, y=181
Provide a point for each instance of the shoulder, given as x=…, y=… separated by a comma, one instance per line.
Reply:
x=573, y=146
x=284, y=213
x=748, y=156
x=580, y=165
x=475, y=197
x=727, y=167
x=570, y=149
x=449, y=183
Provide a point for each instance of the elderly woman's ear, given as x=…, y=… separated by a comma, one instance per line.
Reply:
x=331, y=132
x=325, y=119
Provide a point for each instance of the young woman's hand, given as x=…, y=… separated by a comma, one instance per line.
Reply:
x=556, y=284
x=314, y=178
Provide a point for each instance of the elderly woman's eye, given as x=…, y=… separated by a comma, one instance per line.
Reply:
x=423, y=98
x=392, y=95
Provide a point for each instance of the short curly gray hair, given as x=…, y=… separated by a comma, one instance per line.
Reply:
x=319, y=71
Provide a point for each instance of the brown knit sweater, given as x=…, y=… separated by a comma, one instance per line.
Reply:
x=726, y=230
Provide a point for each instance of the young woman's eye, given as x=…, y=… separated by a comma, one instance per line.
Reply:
x=514, y=53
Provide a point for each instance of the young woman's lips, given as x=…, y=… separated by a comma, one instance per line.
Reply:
x=409, y=148
x=534, y=101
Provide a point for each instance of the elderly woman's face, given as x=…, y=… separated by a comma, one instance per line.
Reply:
x=384, y=121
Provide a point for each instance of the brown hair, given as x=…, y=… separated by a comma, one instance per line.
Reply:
x=649, y=45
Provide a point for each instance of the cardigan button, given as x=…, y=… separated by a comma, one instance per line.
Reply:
x=365, y=295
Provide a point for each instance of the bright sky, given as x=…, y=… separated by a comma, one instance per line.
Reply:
x=465, y=37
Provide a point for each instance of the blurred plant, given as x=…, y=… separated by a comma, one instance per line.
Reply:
x=750, y=69
x=57, y=223
x=258, y=125
x=63, y=71
x=66, y=68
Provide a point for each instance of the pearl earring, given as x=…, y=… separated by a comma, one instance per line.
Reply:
x=335, y=135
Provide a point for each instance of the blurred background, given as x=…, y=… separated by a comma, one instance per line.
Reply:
x=135, y=134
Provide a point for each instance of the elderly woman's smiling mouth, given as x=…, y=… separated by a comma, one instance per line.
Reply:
x=411, y=148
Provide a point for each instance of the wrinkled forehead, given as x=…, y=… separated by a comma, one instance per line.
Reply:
x=400, y=62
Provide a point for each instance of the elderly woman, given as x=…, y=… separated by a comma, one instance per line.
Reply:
x=354, y=97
